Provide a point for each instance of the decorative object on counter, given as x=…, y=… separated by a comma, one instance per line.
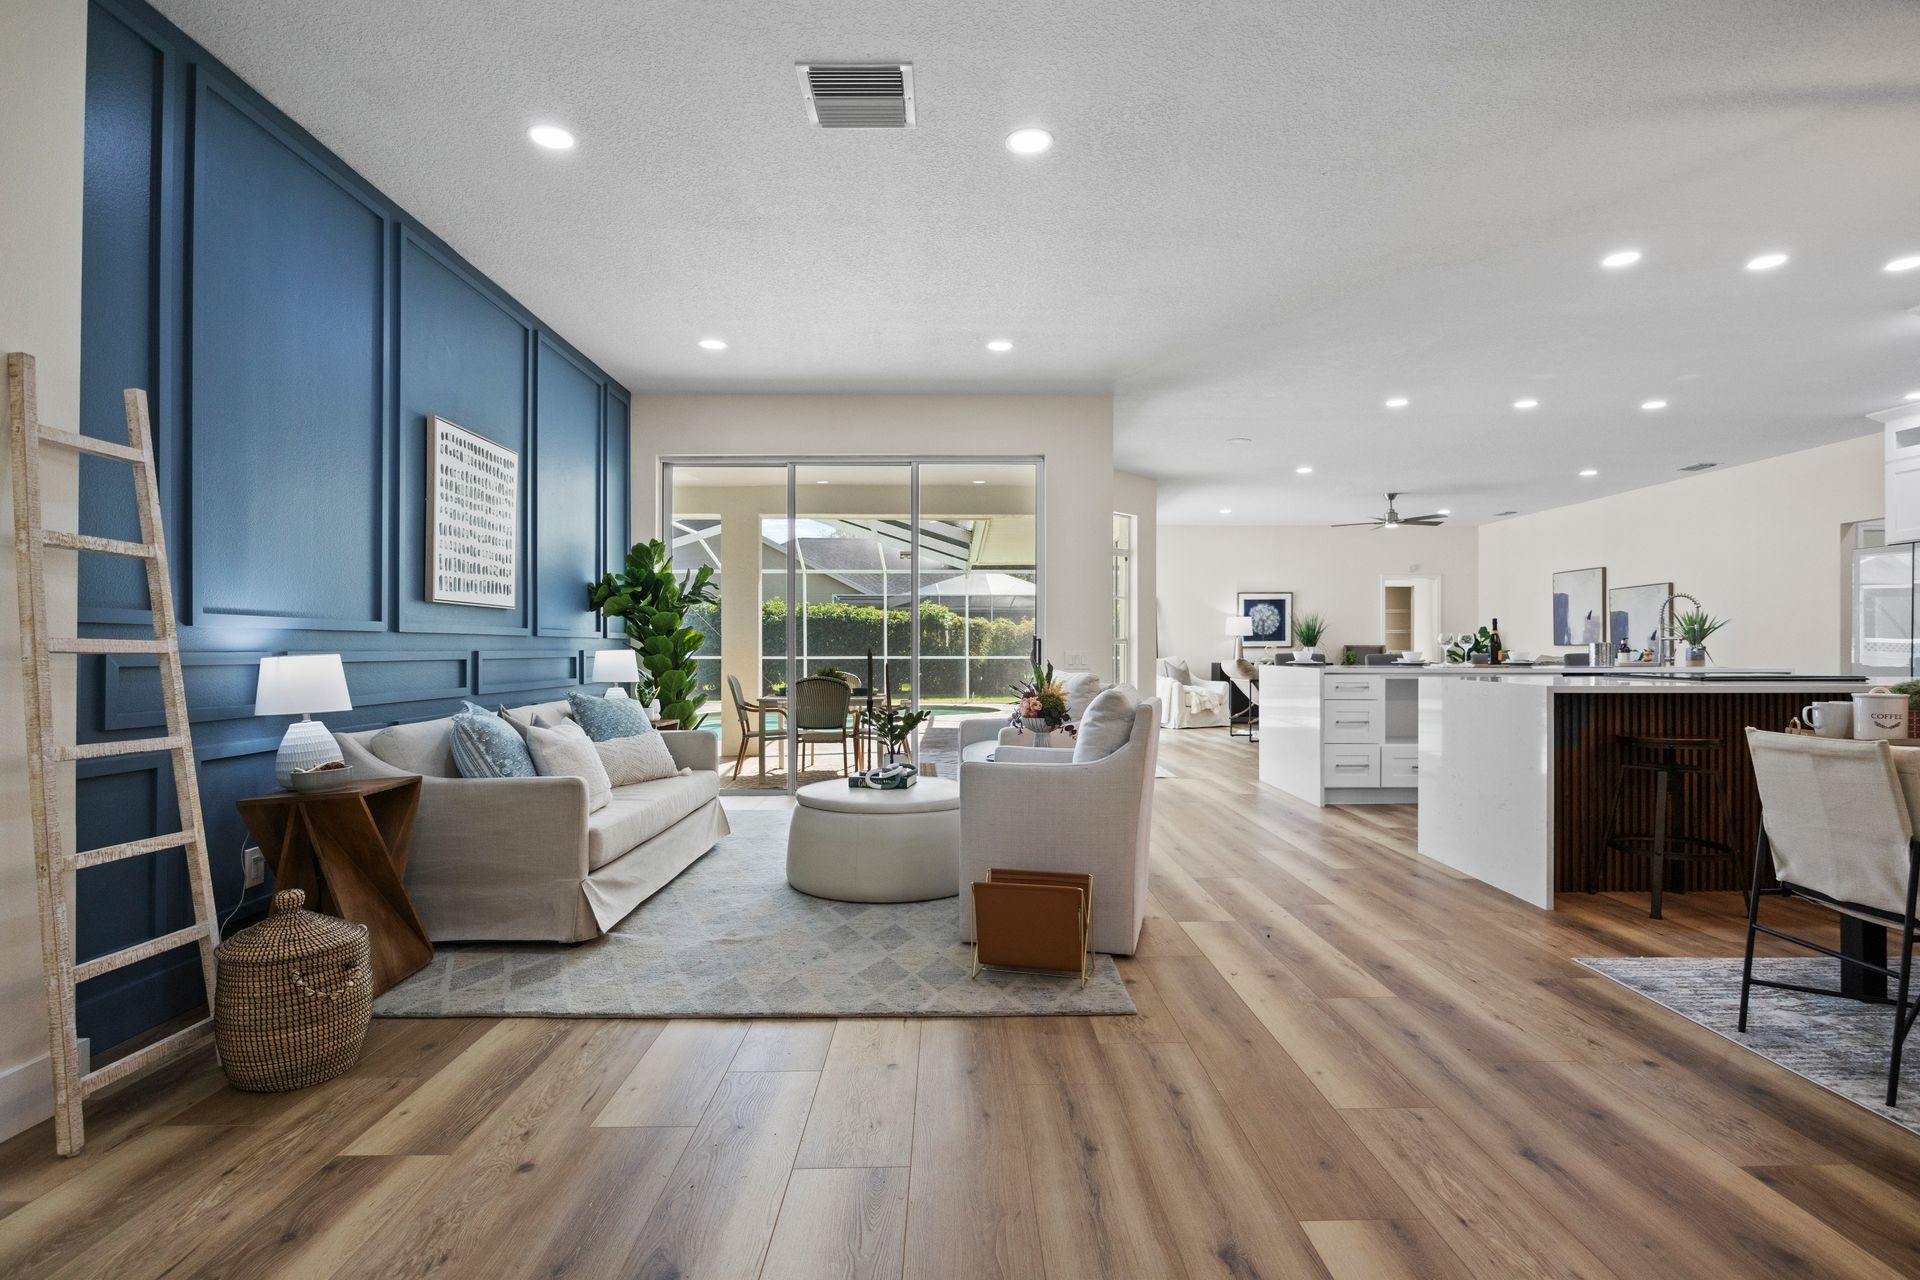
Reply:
x=1579, y=607
x=1042, y=702
x=1638, y=616
x=618, y=668
x=655, y=605
x=1880, y=713
x=1238, y=627
x=1034, y=920
x=1271, y=613
x=292, y=998
x=893, y=726
x=1692, y=627
x=1308, y=628
x=322, y=777
x=1912, y=689
x=895, y=777
x=473, y=518
x=1826, y=719
x=300, y=684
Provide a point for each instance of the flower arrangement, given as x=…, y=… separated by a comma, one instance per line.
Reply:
x=1043, y=702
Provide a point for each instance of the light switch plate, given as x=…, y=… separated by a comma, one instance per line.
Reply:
x=256, y=866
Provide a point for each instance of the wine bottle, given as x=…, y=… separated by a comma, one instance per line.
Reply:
x=1495, y=651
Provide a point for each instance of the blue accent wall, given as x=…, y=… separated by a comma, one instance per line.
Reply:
x=293, y=328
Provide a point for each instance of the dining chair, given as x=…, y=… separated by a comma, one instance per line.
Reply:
x=1836, y=828
x=750, y=714
x=820, y=712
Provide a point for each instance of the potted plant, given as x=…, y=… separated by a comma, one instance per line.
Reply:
x=1912, y=689
x=1693, y=626
x=1043, y=703
x=893, y=724
x=654, y=605
x=1308, y=628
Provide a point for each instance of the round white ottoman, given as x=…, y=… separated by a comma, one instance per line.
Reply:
x=856, y=845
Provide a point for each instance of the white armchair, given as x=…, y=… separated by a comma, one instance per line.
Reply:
x=1034, y=809
x=1188, y=703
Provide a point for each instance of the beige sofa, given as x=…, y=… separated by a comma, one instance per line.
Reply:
x=521, y=859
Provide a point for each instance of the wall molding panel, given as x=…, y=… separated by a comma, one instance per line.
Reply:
x=293, y=327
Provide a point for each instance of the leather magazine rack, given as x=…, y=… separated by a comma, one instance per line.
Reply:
x=1033, y=920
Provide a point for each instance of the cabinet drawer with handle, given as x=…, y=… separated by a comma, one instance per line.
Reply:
x=1400, y=765
x=1350, y=767
x=1364, y=688
x=1353, y=722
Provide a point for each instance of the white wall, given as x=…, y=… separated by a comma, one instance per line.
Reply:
x=1137, y=496
x=1759, y=544
x=43, y=59
x=1073, y=433
x=1335, y=572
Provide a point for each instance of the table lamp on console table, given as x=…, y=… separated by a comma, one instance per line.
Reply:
x=617, y=667
x=1239, y=627
x=300, y=684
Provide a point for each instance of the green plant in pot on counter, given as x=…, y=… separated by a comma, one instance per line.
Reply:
x=654, y=605
x=1308, y=629
x=1693, y=626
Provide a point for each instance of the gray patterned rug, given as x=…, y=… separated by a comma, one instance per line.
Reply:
x=1840, y=1045
x=729, y=939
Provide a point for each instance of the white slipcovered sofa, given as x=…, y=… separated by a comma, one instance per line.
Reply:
x=521, y=859
x=1035, y=809
x=1187, y=702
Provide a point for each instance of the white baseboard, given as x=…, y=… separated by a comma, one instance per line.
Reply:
x=26, y=1095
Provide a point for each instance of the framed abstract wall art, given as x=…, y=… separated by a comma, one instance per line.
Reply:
x=473, y=518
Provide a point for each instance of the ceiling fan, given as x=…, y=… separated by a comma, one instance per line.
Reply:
x=1393, y=519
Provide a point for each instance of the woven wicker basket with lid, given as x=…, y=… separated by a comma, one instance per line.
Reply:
x=294, y=993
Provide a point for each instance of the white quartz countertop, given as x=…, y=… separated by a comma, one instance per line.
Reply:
x=1558, y=679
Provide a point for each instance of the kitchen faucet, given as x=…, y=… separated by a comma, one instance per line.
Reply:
x=1666, y=642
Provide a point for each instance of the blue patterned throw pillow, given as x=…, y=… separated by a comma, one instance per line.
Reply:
x=486, y=746
x=605, y=719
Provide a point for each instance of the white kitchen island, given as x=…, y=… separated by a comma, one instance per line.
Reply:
x=1513, y=768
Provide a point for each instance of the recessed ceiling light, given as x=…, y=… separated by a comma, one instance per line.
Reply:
x=1588, y=473
x=1303, y=471
x=999, y=344
x=1226, y=511
x=1443, y=511
x=1907, y=263
x=979, y=481
x=1398, y=402
x=1651, y=405
x=1767, y=262
x=1621, y=258
x=1526, y=404
x=1029, y=142
x=712, y=344
x=823, y=482
x=1912, y=395
x=552, y=137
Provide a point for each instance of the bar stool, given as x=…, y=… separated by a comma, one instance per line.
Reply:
x=1661, y=759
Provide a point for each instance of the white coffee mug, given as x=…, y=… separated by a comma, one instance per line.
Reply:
x=1828, y=719
x=1880, y=715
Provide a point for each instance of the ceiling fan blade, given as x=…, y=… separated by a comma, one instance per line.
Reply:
x=1432, y=519
x=1355, y=524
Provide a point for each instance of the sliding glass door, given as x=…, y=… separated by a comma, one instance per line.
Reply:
x=908, y=581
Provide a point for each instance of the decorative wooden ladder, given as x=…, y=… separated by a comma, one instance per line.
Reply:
x=71, y=1088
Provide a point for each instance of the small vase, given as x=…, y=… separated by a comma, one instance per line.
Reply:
x=1695, y=656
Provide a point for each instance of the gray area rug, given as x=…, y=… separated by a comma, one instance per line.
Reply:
x=729, y=939
x=1840, y=1045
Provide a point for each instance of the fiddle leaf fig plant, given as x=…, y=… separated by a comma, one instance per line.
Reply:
x=654, y=604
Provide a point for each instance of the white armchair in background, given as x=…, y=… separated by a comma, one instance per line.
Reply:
x=1035, y=809
x=1187, y=703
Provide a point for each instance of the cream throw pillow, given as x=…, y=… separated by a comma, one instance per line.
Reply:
x=640, y=757
x=565, y=751
x=1107, y=726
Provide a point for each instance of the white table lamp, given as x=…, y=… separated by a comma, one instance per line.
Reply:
x=617, y=667
x=1239, y=627
x=299, y=684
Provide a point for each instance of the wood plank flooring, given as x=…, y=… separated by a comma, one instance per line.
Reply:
x=1346, y=1063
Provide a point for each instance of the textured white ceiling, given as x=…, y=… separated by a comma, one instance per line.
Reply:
x=1260, y=218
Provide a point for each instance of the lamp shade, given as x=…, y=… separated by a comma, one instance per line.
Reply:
x=615, y=666
x=300, y=683
x=1239, y=626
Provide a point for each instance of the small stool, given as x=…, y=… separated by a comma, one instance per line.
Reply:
x=1661, y=758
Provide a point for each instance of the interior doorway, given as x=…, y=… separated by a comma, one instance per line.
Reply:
x=1410, y=613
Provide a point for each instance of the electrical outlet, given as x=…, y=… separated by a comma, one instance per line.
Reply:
x=256, y=865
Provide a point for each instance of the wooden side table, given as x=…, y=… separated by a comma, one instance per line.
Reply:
x=347, y=848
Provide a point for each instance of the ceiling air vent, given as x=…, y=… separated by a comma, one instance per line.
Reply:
x=858, y=95
x=1701, y=466
x=1498, y=514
